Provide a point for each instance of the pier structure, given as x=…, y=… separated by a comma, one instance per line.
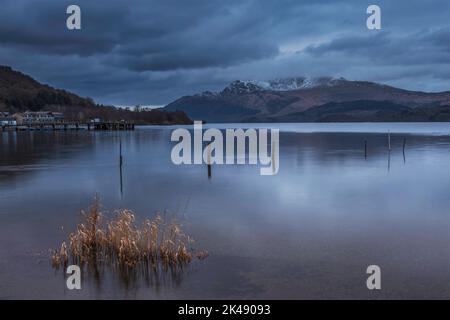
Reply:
x=64, y=126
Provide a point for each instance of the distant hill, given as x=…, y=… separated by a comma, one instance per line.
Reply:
x=313, y=100
x=20, y=92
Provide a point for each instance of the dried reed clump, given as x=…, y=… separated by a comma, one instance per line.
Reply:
x=120, y=241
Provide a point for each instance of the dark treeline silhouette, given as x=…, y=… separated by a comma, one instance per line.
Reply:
x=19, y=93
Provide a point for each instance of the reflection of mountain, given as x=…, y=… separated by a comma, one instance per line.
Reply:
x=314, y=100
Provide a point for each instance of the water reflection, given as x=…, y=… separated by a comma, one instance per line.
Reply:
x=100, y=276
x=340, y=202
x=120, y=168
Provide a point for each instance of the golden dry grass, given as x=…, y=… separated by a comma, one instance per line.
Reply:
x=120, y=241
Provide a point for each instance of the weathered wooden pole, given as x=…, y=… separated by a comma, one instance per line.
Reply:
x=120, y=154
x=273, y=156
x=389, y=140
x=120, y=168
x=209, y=161
x=404, y=147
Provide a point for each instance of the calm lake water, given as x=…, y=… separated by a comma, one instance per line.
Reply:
x=308, y=232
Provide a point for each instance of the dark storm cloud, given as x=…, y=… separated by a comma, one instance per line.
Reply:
x=40, y=26
x=354, y=44
x=151, y=52
x=197, y=57
x=431, y=46
x=141, y=35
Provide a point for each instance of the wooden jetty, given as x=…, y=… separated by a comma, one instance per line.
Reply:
x=64, y=126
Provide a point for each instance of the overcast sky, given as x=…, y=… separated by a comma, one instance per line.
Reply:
x=152, y=52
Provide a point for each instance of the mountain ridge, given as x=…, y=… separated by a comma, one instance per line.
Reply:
x=257, y=101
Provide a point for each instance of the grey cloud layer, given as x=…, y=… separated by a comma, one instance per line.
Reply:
x=151, y=52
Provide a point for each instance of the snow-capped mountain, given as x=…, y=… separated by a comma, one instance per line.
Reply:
x=311, y=99
x=286, y=84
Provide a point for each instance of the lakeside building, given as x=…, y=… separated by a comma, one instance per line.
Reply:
x=7, y=121
x=38, y=117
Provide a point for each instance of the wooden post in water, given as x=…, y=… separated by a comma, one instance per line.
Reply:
x=273, y=152
x=120, y=154
x=389, y=140
x=404, y=147
x=209, y=161
x=120, y=167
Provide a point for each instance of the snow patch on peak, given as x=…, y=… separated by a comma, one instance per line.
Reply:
x=286, y=84
x=206, y=94
x=299, y=83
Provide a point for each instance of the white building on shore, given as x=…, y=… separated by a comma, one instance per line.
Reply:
x=38, y=117
x=7, y=120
